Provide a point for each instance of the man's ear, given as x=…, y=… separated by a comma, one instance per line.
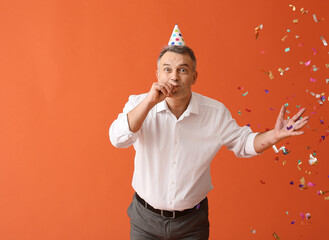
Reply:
x=195, y=76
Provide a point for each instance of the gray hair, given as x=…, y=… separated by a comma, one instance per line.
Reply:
x=180, y=50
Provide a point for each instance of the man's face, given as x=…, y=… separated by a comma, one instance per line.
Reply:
x=177, y=68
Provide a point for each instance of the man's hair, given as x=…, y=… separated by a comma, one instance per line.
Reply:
x=180, y=50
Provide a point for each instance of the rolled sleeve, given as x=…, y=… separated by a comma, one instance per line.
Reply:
x=119, y=132
x=250, y=150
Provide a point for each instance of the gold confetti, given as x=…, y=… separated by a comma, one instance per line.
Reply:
x=326, y=198
x=284, y=38
x=276, y=236
x=293, y=7
x=302, y=180
x=303, y=11
x=269, y=73
x=295, y=21
x=257, y=30
x=327, y=65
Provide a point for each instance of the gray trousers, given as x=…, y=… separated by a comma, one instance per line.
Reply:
x=145, y=224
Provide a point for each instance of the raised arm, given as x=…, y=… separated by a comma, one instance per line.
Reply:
x=159, y=91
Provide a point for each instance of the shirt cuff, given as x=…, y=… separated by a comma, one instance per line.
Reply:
x=250, y=144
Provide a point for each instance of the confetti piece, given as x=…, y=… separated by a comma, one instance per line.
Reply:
x=244, y=94
x=311, y=184
x=302, y=181
x=308, y=216
x=269, y=73
x=323, y=41
x=315, y=68
x=320, y=192
x=308, y=63
x=312, y=160
x=303, y=11
x=314, y=51
x=315, y=19
x=291, y=183
x=284, y=38
x=295, y=21
x=253, y=231
x=302, y=216
x=239, y=112
x=283, y=71
x=287, y=49
x=293, y=7
x=290, y=127
x=276, y=236
x=257, y=30
x=283, y=148
x=248, y=110
x=312, y=79
x=288, y=30
x=327, y=65
x=266, y=91
x=297, y=36
x=292, y=222
x=326, y=198
x=327, y=80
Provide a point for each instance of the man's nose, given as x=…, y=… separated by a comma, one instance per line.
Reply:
x=174, y=76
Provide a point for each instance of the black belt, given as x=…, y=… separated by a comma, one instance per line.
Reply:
x=170, y=214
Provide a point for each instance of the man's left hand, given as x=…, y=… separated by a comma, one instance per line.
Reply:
x=289, y=127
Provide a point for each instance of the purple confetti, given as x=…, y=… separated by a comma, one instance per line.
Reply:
x=291, y=183
x=266, y=91
x=288, y=128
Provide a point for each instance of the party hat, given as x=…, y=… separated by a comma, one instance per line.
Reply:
x=176, y=37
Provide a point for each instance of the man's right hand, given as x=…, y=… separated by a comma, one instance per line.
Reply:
x=159, y=91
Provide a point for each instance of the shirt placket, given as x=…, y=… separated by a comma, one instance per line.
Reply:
x=173, y=168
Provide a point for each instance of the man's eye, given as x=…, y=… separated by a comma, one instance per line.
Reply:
x=166, y=69
x=183, y=70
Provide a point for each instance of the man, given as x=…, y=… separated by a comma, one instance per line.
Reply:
x=176, y=133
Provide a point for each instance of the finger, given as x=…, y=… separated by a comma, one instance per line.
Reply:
x=282, y=112
x=300, y=125
x=161, y=89
x=165, y=89
x=296, y=116
x=297, y=133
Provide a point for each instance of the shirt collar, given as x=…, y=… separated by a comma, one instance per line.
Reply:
x=193, y=106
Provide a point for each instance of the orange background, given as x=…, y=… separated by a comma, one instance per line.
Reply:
x=67, y=69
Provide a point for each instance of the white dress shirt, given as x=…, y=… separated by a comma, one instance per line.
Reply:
x=173, y=156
